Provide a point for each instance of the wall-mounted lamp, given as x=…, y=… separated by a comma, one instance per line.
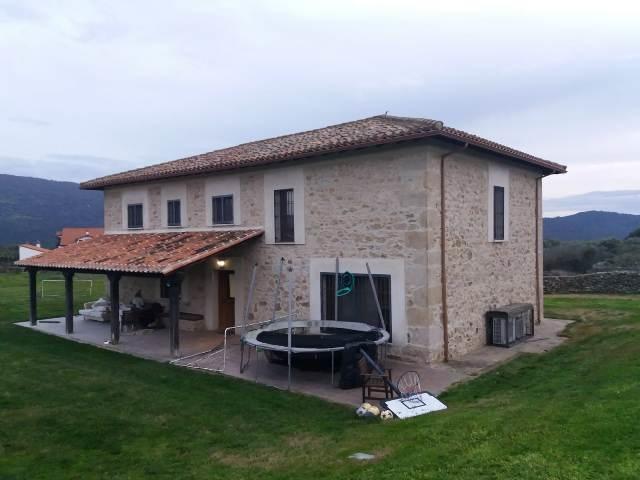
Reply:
x=221, y=263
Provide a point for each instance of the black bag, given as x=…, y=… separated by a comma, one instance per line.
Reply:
x=354, y=364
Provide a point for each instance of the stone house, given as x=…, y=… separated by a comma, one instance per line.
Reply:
x=450, y=224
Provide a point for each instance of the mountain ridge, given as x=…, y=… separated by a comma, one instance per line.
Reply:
x=34, y=209
x=590, y=225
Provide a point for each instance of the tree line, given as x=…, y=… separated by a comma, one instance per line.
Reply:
x=593, y=256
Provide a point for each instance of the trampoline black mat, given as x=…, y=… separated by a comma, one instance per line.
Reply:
x=329, y=338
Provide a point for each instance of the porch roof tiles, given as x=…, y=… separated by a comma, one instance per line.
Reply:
x=152, y=253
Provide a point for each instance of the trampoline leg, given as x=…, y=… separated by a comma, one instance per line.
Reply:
x=241, y=357
x=257, y=363
x=332, y=370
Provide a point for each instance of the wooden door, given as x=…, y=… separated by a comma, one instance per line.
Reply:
x=226, y=303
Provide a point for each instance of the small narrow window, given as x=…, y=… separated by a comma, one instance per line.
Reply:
x=173, y=213
x=134, y=215
x=498, y=213
x=222, y=208
x=283, y=215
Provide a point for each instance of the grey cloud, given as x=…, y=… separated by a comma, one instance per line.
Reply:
x=70, y=167
x=622, y=201
x=131, y=84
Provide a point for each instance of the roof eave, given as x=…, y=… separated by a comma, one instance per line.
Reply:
x=547, y=166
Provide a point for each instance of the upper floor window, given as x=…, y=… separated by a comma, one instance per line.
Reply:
x=283, y=216
x=173, y=213
x=222, y=209
x=498, y=213
x=134, y=215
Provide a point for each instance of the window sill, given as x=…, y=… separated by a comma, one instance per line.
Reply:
x=175, y=227
x=498, y=241
x=135, y=228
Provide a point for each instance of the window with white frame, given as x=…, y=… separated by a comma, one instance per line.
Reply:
x=173, y=197
x=498, y=205
x=135, y=213
x=284, y=206
x=223, y=201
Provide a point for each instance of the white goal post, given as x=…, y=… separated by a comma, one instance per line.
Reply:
x=56, y=290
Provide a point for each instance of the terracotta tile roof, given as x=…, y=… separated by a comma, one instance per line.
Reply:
x=69, y=235
x=157, y=253
x=368, y=132
x=34, y=247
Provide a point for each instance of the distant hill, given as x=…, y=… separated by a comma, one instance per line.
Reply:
x=33, y=209
x=592, y=225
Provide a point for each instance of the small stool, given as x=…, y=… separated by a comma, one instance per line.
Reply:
x=375, y=386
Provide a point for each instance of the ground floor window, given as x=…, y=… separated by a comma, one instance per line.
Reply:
x=358, y=305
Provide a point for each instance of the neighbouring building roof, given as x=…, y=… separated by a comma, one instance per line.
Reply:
x=36, y=248
x=154, y=253
x=70, y=235
x=368, y=132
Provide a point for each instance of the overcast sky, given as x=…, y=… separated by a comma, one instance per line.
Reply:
x=92, y=88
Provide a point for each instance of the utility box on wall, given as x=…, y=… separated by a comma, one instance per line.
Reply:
x=509, y=324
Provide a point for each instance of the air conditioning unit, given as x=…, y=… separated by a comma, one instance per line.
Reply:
x=510, y=324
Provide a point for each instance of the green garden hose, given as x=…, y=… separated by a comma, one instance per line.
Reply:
x=346, y=280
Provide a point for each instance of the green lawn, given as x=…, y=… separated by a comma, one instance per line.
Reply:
x=73, y=411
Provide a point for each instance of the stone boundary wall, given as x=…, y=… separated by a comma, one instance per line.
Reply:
x=603, y=282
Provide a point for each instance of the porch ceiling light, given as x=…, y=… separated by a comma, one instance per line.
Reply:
x=221, y=263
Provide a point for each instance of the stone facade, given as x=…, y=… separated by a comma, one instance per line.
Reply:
x=602, y=282
x=482, y=275
x=380, y=206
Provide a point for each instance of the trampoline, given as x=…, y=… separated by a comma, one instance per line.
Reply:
x=313, y=336
x=292, y=336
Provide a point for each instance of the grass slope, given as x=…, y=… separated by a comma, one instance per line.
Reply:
x=73, y=411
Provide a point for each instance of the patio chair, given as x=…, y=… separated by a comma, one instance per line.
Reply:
x=376, y=386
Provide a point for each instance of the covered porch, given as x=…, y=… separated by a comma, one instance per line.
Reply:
x=163, y=257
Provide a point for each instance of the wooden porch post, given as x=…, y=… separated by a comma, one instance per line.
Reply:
x=33, y=305
x=114, y=294
x=68, y=295
x=173, y=283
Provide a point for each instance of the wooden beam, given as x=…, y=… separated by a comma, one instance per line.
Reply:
x=173, y=284
x=101, y=272
x=68, y=296
x=33, y=295
x=114, y=294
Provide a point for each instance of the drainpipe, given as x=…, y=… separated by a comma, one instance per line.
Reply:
x=443, y=253
x=538, y=256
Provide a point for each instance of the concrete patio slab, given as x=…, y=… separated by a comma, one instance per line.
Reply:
x=149, y=344
x=435, y=378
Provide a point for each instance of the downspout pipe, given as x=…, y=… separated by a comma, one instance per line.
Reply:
x=443, y=251
x=538, y=256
